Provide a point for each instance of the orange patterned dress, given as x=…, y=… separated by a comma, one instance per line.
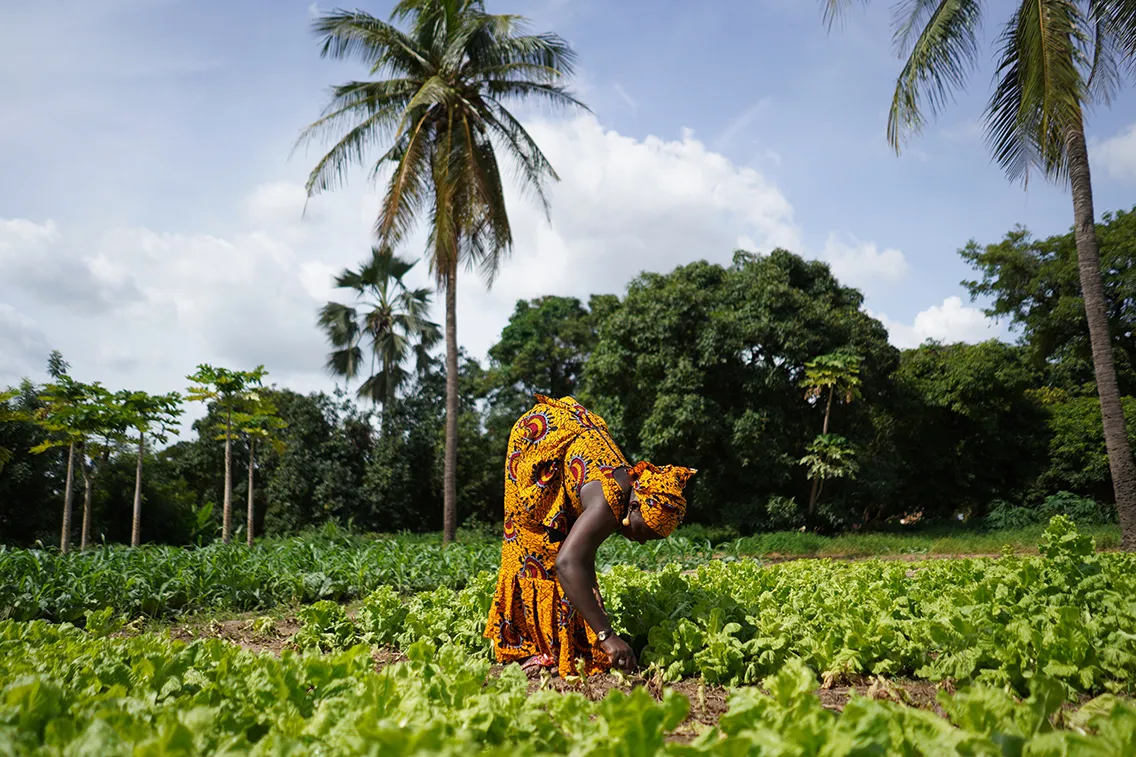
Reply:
x=554, y=449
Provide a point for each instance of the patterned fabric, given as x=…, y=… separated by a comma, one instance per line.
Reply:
x=659, y=491
x=554, y=450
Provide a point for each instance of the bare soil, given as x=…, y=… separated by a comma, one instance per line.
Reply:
x=246, y=632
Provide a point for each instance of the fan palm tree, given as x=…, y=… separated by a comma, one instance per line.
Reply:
x=438, y=108
x=387, y=314
x=1055, y=59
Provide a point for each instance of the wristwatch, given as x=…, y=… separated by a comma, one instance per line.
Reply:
x=603, y=636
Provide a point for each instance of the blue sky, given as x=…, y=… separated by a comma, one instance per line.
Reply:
x=150, y=213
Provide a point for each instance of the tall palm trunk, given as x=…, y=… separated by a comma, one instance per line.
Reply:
x=814, y=495
x=1120, y=461
x=65, y=536
x=136, y=521
x=450, y=477
x=252, y=462
x=227, y=513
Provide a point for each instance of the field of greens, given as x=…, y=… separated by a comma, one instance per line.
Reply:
x=1032, y=655
x=337, y=566
x=67, y=692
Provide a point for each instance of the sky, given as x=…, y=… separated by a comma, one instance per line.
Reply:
x=152, y=211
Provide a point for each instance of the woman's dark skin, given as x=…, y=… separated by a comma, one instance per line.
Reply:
x=576, y=562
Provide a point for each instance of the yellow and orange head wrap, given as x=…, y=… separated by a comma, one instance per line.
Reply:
x=659, y=491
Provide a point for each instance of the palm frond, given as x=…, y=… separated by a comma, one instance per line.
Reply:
x=408, y=186
x=340, y=322
x=1104, y=50
x=361, y=36
x=531, y=167
x=1040, y=90
x=1117, y=21
x=547, y=55
x=834, y=10
x=940, y=59
x=345, y=362
x=376, y=124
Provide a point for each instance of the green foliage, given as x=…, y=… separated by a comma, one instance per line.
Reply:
x=1067, y=615
x=228, y=388
x=70, y=692
x=1081, y=510
x=837, y=374
x=152, y=414
x=969, y=431
x=1035, y=283
x=830, y=456
x=702, y=367
x=543, y=350
x=1078, y=460
x=325, y=627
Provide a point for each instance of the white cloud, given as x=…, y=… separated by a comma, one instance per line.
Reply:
x=863, y=264
x=21, y=341
x=140, y=307
x=1117, y=154
x=950, y=322
x=623, y=206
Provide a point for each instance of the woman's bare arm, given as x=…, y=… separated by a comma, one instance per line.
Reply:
x=576, y=563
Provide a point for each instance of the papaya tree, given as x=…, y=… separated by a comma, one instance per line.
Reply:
x=258, y=422
x=151, y=414
x=836, y=374
x=230, y=390
x=87, y=419
x=829, y=456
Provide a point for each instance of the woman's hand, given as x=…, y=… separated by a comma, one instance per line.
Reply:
x=620, y=653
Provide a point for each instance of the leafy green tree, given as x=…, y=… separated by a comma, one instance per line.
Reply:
x=8, y=414
x=702, y=367
x=88, y=420
x=439, y=113
x=230, y=390
x=388, y=315
x=1035, y=284
x=105, y=428
x=969, y=430
x=544, y=347
x=29, y=482
x=827, y=376
x=258, y=422
x=1056, y=58
x=151, y=414
x=59, y=418
x=1077, y=459
x=318, y=473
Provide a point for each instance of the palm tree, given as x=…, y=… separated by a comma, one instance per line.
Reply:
x=390, y=316
x=1056, y=57
x=438, y=108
